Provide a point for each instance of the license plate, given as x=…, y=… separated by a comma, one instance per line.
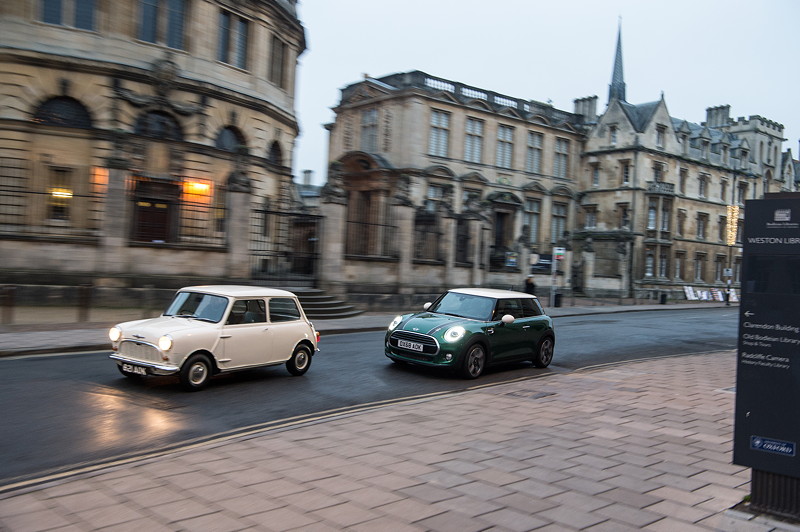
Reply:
x=405, y=344
x=136, y=370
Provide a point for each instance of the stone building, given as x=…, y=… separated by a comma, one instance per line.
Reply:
x=433, y=183
x=148, y=138
x=662, y=199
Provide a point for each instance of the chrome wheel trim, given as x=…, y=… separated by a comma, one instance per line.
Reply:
x=198, y=373
x=301, y=359
x=546, y=351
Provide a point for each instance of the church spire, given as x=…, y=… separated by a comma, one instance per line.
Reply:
x=616, y=90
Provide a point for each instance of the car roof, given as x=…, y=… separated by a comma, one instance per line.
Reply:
x=235, y=290
x=492, y=292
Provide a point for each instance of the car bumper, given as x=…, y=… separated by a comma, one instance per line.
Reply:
x=434, y=361
x=152, y=368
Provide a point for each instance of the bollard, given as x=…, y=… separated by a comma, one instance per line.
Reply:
x=84, y=302
x=7, y=300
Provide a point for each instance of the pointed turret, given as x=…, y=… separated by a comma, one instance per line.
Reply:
x=616, y=90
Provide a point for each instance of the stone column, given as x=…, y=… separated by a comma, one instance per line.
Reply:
x=449, y=245
x=117, y=212
x=238, y=236
x=404, y=215
x=331, y=246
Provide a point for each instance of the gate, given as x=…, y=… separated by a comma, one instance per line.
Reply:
x=283, y=246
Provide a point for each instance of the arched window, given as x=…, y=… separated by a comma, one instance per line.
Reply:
x=63, y=111
x=159, y=125
x=275, y=155
x=230, y=139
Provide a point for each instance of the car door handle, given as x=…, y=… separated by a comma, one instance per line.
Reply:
x=225, y=336
x=526, y=326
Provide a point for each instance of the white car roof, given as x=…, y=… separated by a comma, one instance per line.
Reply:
x=491, y=292
x=235, y=290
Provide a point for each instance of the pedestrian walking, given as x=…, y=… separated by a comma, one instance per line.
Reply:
x=530, y=286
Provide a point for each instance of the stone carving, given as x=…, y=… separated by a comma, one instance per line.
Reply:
x=333, y=191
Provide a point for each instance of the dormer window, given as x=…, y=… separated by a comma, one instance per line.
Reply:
x=612, y=135
x=660, y=134
x=743, y=159
x=704, y=148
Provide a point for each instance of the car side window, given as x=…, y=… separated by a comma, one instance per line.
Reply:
x=247, y=311
x=531, y=308
x=508, y=306
x=283, y=309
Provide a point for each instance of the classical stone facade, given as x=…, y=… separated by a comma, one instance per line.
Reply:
x=141, y=139
x=433, y=184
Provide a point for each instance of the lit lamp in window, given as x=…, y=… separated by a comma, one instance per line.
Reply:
x=197, y=191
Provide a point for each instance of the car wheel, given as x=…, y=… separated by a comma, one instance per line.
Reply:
x=300, y=361
x=544, y=352
x=196, y=373
x=131, y=376
x=474, y=362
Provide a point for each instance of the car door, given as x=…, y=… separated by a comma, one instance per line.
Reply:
x=508, y=340
x=535, y=323
x=245, y=335
x=287, y=327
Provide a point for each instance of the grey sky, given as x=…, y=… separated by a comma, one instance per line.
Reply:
x=700, y=53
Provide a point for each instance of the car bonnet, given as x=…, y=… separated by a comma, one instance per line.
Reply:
x=431, y=323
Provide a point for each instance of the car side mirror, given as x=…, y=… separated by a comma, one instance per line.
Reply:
x=508, y=319
x=426, y=306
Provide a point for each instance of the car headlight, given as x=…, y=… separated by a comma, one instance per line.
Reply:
x=114, y=334
x=395, y=322
x=165, y=342
x=454, y=334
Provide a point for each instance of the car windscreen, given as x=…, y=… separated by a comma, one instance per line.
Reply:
x=464, y=305
x=197, y=305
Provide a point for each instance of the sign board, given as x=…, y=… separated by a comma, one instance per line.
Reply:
x=727, y=272
x=558, y=253
x=512, y=259
x=767, y=420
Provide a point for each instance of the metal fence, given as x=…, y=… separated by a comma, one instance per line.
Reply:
x=283, y=245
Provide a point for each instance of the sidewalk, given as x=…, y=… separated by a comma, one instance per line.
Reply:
x=55, y=329
x=639, y=446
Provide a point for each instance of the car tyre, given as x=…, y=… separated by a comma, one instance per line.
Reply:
x=196, y=372
x=474, y=361
x=544, y=352
x=300, y=361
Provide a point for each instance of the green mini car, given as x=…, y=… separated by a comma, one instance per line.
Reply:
x=469, y=329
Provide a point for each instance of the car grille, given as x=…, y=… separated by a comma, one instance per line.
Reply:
x=429, y=344
x=139, y=351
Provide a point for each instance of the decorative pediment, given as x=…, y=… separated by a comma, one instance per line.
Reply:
x=444, y=95
x=561, y=190
x=510, y=111
x=534, y=186
x=473, y=177
x=439, y=171
x=506, y=198
x=539, y=119
x=480, y=104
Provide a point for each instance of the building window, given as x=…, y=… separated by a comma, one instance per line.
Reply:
x=743, y=158
x=725, y=155
x=719, y=266
x=530, y=218
x=277, y=62
x=591, y=217
x=612, y=135
x=658, y=172
x=626, y=172
x=561, y=159
x=683, y=177
x=463, y=242
x=699, y=267
x=649, y=264
x=558, y=223
x=722, y=230
x=681, y=222
x=438, y=144
x=162, y=22
x=723, y=189
x=741, y=193
x=704, y=148
x=624, y=215
x=233, y=37
x=59, y=194
x=702, y=186
x=663, y=263
x=74, y=13
x=702, y=225
x=652, y=213
x=473, y=142
x=595, y=175
x=505, y=146
x=230, y=139
x=533, y=160
x=679, y=259
x=434, y=197
x=660, y=135
x=159, y=125
x=666, y=209
x=369, y=130
x=63, y=111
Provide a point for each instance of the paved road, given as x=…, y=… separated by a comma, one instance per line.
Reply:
x=72, y=409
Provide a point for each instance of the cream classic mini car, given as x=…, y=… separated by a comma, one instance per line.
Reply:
x=216, y=329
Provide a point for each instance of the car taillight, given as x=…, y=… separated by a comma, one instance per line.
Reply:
x=317, y=336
